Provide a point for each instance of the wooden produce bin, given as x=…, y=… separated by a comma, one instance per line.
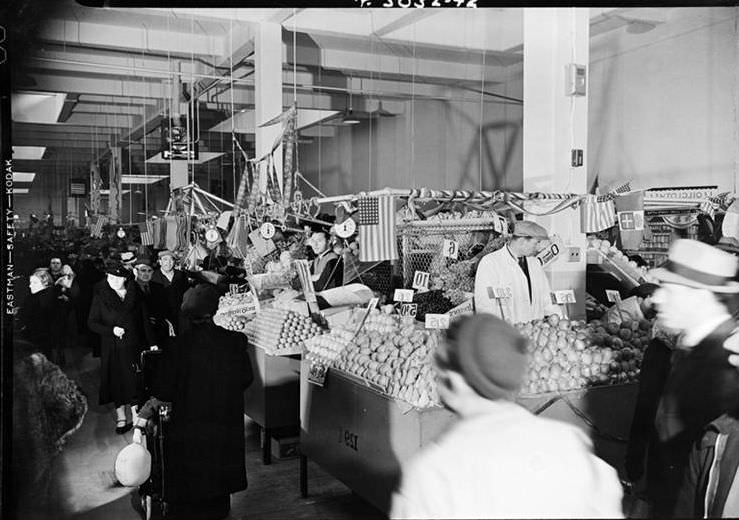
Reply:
x=273, y=399
x=362, y=437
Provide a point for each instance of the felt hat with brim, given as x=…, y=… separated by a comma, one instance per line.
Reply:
x=528, y=229
x=128, y=257
x=200, y=301
x=142, y=261
x=116, y=268
x=695, y=264
x=164, y=253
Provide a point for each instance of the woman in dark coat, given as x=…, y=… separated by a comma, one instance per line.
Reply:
x=119, y=316
x=39, y=315
x=204, y=450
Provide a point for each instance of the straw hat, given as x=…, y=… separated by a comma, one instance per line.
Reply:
x=699, y=265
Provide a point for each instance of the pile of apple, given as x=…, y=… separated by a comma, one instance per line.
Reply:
x=569, y=355
x=394, y=355
x=617, y=257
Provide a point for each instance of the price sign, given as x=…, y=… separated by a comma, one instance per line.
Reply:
x=437, y=321
x=613, y=296
x=551, y=252
x=267, y=230
x=500, y=292
x=450, y=249
x=233, y=288
x=563, y=297
x=466, y=307
x=408, y=309
x=403, y=295
x=346, y=228
x=421, y=281
x=317, y=373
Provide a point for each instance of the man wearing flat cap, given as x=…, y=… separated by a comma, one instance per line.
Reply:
x=695, y=300
x=498, y=460
x=515, y=268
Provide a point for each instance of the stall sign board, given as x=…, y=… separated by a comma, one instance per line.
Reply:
x=317, y=373
x=563, y=297
x=462, y=309
x=551, y=252
x=233, y=288
x=437, y=321
x=613, y=296
x=346, y=228
x=500, y=292
x=408, y=309
x=450, y=249
x=403, y=295
x=421, y=281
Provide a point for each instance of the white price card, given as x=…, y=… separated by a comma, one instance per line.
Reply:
x=403, y=295
x=500, y=292
x=563, y=297
x=421, y=280
x=437, y=321
x=233, y=288
x=408, y=309
x=267, y=230
x=613, y=296
x=463, y=308
x=450, y=249
x=346, y=228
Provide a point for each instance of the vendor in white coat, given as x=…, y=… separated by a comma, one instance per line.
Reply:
x=516, y=267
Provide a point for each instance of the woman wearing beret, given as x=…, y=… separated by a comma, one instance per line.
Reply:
x=118, y=316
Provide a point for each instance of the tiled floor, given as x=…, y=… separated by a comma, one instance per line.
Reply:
x=82, y=484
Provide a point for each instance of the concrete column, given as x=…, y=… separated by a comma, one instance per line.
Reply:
x=553, y=124
x=268, y=91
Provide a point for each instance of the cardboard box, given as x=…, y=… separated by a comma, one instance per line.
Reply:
x=285, y=447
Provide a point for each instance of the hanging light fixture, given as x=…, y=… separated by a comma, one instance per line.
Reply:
x=349, y=117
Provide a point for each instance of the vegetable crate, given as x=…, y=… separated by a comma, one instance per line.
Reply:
x=446, y=249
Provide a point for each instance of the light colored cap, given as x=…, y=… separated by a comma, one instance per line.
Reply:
x=526, y=228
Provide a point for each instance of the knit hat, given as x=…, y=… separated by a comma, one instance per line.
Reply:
x=489, y=353
x=200, y=301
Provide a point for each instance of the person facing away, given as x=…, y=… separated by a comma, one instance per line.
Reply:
x=498, y=460
x=515, y=267
x=694, y=300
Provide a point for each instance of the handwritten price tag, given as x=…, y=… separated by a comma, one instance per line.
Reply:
x=437, y=321
x=500, y=292
x=421, y=280
x=450, y=249
x=403, y=295
x=613, y=296
x=563, y=297
x=408, y=309
x=466, y=307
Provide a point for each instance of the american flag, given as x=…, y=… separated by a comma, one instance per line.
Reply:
x=377, y=241
x=97, y=228
x=146, y=230
x=596, y=215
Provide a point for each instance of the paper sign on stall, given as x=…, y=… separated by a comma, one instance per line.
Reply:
x=500, y=292
x=450, y=249
x=463, y=308
x=552, y=252
x=613, y=296
x=408, y=309
x=563, y=297
x=421, y=281
x=437, y=321
x=317, y=373
x=403, y=295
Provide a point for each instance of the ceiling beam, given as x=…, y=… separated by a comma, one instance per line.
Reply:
x=414, y=16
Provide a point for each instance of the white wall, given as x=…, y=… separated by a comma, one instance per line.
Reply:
x=433, y=143
x=662, y=102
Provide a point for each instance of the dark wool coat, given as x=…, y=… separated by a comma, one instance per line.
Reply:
x=701, y=386
x=174, y=291
x=208, y=369
x=41, y=318
x=156, y=305
x=119, y=357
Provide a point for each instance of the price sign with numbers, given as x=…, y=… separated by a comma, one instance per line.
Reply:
x=613, y=296
x=403, y=295
x=437, y=321
x=500, y=292
x=563, y=297
x=421, y=280
x=267, y=230
x=408, y=309
x=450, y=249
x=317, y=373
x=233, y=288
x=346, y=228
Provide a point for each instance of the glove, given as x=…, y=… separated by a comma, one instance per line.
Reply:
x=150, y=408
x=119, y=332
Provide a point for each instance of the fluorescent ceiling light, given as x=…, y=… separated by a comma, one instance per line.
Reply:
x=202, y=158
x=107, y=192
x=20, y=191
x=23, y=176
x=142, y=179
x=30, y=153
x=37, y=107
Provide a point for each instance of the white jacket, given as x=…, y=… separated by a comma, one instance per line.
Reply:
x=500, y=269
x=508, y=463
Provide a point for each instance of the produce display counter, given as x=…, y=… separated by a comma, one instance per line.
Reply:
x=361, y=436
x=273, y=399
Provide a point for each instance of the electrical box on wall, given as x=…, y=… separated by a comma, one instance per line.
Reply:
x=575, y=79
